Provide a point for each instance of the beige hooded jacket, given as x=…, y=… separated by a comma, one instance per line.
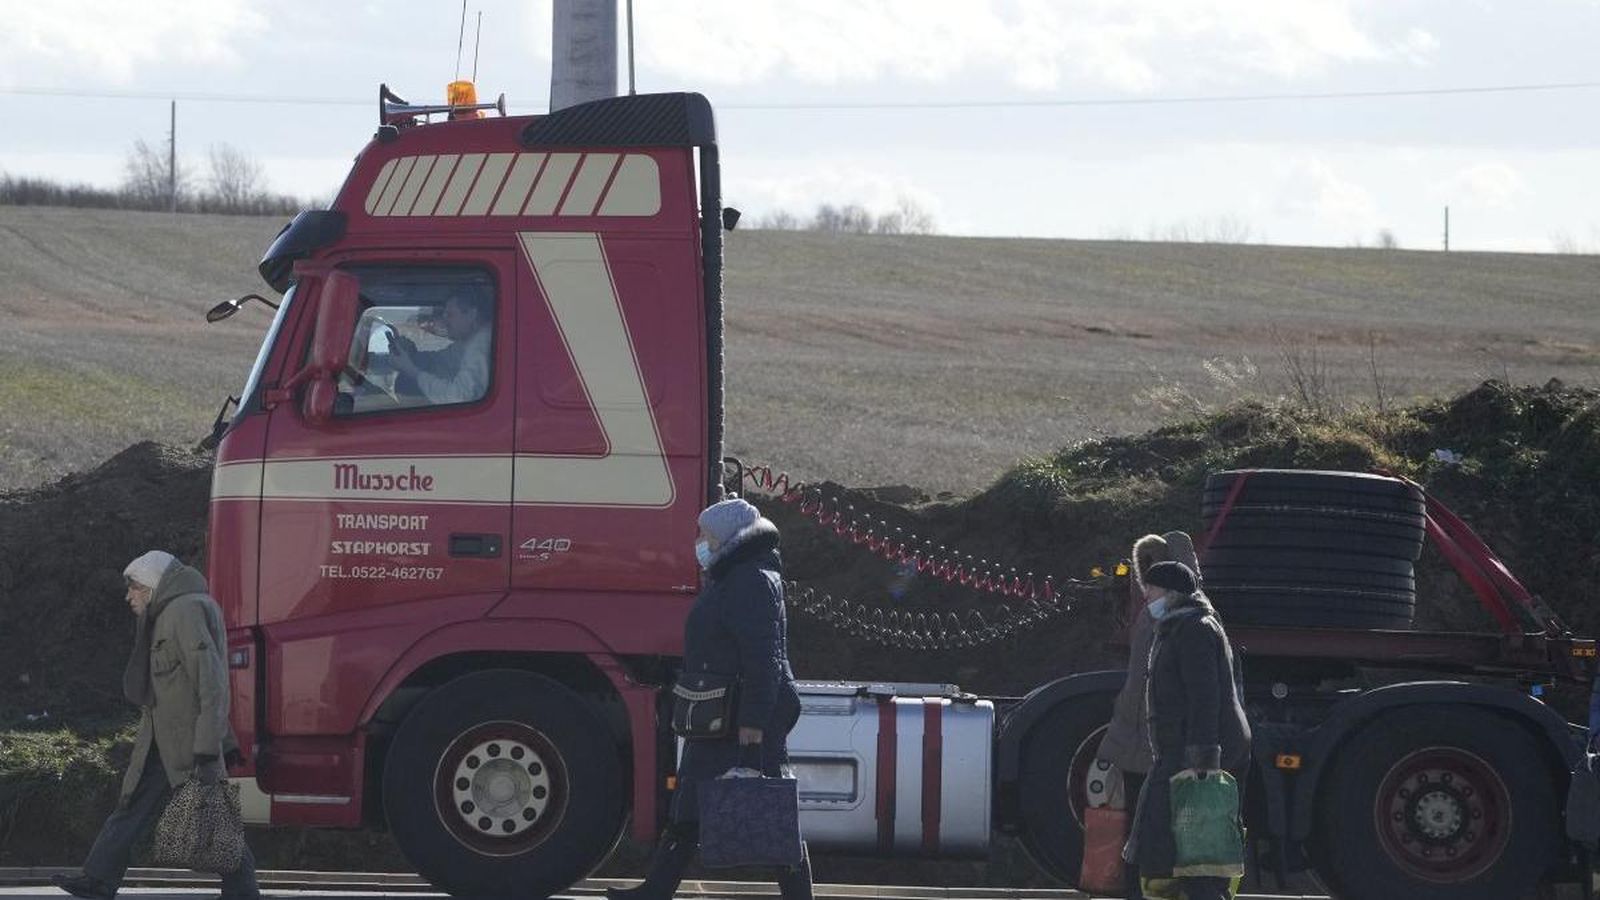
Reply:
x=1127, y=741
x=188, y=672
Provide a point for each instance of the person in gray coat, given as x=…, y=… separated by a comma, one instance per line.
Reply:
x=737, y=626
x=1126, y=745
x=178, y=676
x=1197, y=720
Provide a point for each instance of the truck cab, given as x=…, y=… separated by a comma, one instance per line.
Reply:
x=475, y=440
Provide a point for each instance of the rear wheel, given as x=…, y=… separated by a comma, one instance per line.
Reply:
x=502, y=783
x=1056, y=761
x=1440, y=804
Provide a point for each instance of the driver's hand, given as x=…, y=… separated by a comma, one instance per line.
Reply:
x=400, y=357
x=400, y=343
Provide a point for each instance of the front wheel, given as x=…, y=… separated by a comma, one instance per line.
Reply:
x=1056, y=761
x=502, y=783
x=1437, y=804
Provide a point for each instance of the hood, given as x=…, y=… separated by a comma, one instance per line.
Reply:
x=177, y=581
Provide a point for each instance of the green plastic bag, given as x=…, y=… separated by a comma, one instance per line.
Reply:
x=1205, y=826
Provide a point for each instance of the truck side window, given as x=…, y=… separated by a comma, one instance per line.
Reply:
x=425, y=339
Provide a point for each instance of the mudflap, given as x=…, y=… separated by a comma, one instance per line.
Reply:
x=1583, y=819
x=1583, y=802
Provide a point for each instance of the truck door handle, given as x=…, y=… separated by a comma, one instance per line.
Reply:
x=478, y=546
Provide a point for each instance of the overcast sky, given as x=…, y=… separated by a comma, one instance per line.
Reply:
x=1519, y=170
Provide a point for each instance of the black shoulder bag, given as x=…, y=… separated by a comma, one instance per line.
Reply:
x=703, y=705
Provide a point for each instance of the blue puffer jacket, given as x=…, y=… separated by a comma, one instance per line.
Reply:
x=737, y=627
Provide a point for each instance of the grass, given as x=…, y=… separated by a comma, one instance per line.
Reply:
x=932, y=361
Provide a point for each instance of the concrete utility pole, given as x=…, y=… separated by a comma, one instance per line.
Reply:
x=583, y=60
x=1447, y=229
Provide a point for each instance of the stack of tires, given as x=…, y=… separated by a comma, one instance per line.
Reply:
x=1313, y=549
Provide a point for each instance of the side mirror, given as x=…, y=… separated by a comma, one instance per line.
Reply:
x=227, y=308
x=337, y=297
x=330, y=342
x=730, y=218
x=222, y=310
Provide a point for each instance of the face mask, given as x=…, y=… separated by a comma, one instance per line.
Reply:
x=702, y=552
x=1158, y=606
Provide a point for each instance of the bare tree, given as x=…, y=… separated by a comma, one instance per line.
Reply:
x=1380, y=386
x=912, y=218
x=851, y=218
x=1386, y=240
x=1309, y=375
x=147, y=180
x=236, y=180
x=779, y=220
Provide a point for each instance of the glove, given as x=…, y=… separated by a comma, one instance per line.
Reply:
x=750, y=757
x=1202, y=758
x=206, y=768
x=234, y=758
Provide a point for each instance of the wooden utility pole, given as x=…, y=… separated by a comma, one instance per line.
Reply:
x=172, y=161
x=583, y=59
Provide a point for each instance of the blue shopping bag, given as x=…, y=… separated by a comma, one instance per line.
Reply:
x=750, y=821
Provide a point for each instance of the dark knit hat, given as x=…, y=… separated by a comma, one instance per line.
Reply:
x=1173, y=576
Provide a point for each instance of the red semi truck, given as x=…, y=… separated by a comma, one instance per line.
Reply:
x=451, y=530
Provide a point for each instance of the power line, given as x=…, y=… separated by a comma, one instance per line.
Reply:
x=1165, y=101
x=188, y=96
x=213, y=97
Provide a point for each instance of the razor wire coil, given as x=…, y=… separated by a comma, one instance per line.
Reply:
x=1027, y=600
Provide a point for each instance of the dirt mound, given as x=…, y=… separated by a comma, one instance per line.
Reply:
x=65, y=631
x=1520, y=464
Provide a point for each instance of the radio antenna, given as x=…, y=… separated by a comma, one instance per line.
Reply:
x=476, y=41
x=461, y=38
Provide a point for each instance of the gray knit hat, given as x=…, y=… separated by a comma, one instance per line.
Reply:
x=725, y=520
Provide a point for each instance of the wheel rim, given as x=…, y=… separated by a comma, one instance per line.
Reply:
x=1443, y=815
x=501, y=788
x=1079, y=771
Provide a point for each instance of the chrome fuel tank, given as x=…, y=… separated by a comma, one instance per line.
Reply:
x=894, y=769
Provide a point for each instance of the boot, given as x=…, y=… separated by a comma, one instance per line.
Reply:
x=667, y=864
x=795, y=883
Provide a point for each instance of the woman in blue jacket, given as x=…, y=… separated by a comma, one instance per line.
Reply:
x=736, y=627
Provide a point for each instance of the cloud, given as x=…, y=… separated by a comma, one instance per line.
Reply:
x=1039, y=45
x=800, y=187
x=1312, y=189
x=110, y=40
x=1489, y=184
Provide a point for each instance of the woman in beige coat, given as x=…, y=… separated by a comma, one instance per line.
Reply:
x=1126, y=745
x=178, y=676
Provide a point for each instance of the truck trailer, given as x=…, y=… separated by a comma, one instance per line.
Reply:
x=451, y=531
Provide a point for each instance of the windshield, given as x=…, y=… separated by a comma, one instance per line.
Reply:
x=248, y=398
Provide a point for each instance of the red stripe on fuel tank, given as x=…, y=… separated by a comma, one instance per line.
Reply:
x=932, y=771
x=888, y=746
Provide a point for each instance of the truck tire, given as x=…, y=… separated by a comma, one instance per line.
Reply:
x=1437, y=804
x=1313, y=549
x=1056, y=758
x=503, y=783
x=1264, y=534
x=1333, y=577
x=1348, y=491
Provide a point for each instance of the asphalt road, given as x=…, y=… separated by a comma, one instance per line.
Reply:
x=590, y=890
